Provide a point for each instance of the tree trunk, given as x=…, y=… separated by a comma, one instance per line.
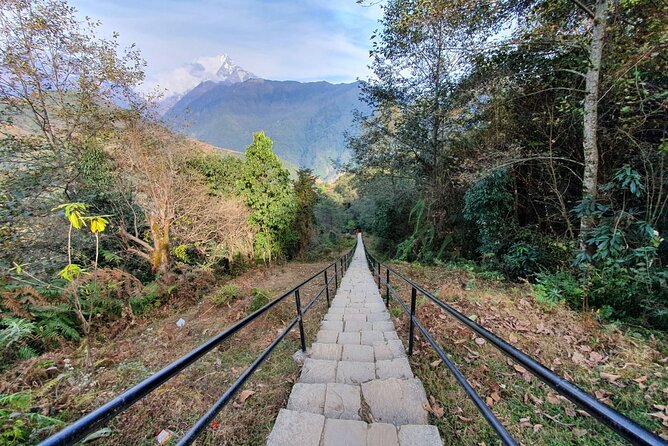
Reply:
x=160, y=253
x=590, y=125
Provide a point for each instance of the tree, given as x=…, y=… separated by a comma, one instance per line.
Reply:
x=60, y=90
x=307, y=198
x=267, y=189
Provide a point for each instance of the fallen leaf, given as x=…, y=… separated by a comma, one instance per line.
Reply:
x=596, y=357
x=465, y=419
x=553, y=399
x=245, y=394
x=537, y=427
x=609, y=377
x=480, y=341
x=435, y=363
x=579, y=432
x=579, y=358
x=512, y=338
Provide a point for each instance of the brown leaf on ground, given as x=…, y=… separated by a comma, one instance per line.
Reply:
x=245, y=394
x=609, y=377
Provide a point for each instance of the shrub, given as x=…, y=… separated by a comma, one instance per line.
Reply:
x=523, y=260
x=260, y=299
x=224, y=294
x=552, y=288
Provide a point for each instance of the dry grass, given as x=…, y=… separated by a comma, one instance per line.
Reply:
x=62, y=388
x=622, y=367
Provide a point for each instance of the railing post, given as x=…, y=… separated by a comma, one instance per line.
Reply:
x=336, y=276
x=379, y=275
x=411, y=329
x=327, y=288
x=387, y=287
x=301, y=320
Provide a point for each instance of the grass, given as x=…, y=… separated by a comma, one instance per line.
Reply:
x=614, y=363
x=156, y=341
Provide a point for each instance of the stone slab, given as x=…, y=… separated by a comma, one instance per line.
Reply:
x=396, y=401
x=327, y=336
x=383, y=326
x=332, y=325
x=350, y=337
x=318, y=371
x=369, y=337
x=343, y=433
x=319, y=350
x=378, y=317
x=307, y=398
x=342, y=401
x=382, y=434
x=356, y=352
x=302, y=428
x=393, y=368
x=423, y=435
x=350, y=372
x=361, y=317
x=358, y=326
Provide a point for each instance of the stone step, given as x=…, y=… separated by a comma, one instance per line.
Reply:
x=334, y=400
x=307, y=429
x=396, y=401
x=371, y=348
x=325, y=371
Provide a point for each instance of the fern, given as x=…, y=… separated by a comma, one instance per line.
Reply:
x=57, y=321
x=26, y=352
x=15, y=330
x=17, y=401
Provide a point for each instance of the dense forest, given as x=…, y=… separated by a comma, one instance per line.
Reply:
x=526, y=140
x=529, y=137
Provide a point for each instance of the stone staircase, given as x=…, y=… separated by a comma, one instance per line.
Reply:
x=356, y=386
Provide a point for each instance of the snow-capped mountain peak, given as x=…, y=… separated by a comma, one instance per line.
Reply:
x=179, y=81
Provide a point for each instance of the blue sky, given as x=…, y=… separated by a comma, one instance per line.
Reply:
x=304, y=40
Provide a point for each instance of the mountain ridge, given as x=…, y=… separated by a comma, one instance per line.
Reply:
x=306, y=120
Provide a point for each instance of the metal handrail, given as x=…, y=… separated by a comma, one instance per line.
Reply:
x=78, y=430
x=616, y=421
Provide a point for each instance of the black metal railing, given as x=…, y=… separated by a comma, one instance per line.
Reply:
x=78, y=430
x=619, y=423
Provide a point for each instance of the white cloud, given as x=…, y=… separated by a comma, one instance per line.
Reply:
x=277, y=39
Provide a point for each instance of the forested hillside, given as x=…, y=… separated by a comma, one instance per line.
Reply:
x=307, y=121
x=529, y=137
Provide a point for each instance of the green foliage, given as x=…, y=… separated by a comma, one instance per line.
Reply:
x=221, y=173
x=225, y=294
x=260, y=299
x=488, y=204
x=19, y=424
x=624, y=270
x=150, y=298
x=268, y=191
x=306, y=198
x=15, y=330
x=562, y=286
x=522, y=260
x=56, y=322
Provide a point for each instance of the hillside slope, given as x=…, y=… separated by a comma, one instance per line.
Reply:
x=306, y=121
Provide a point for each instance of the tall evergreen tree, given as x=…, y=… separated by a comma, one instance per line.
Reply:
x=267, y=189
